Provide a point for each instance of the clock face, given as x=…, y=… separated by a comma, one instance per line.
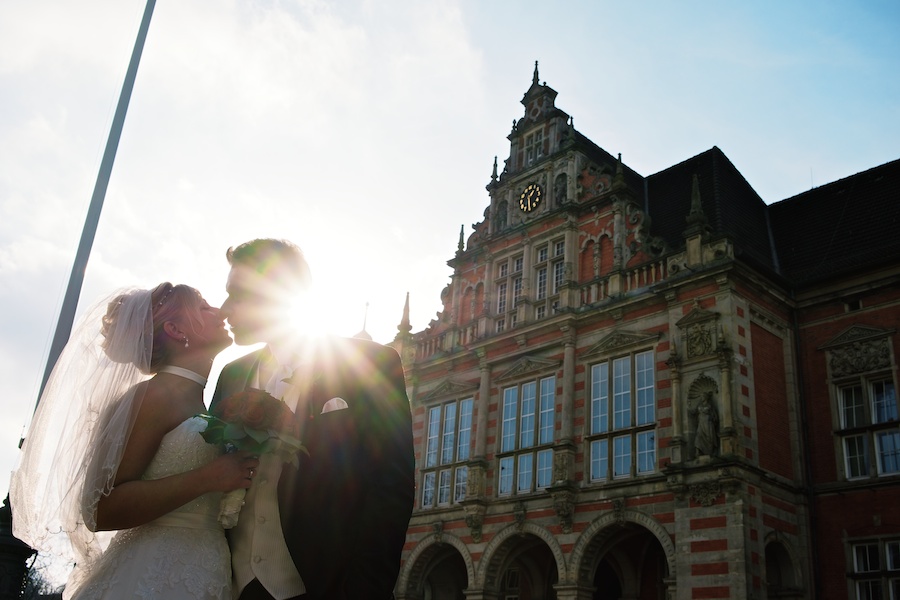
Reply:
x=530, y=198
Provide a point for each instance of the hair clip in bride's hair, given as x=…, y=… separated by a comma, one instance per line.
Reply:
x=165, y=296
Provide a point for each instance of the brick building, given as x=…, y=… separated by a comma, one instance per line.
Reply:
x=658, y=387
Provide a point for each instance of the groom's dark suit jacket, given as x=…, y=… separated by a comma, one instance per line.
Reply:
x=346, y=509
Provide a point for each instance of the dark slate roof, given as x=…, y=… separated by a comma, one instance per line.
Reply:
x=852, y=224
x=731, y=206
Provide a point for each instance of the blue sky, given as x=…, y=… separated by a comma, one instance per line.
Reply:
x=366, y=131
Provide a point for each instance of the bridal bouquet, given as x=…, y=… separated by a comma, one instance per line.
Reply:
x=253, y=421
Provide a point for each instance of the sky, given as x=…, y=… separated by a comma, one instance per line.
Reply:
x=366, y=130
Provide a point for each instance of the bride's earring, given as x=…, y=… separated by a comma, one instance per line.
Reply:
x=186, y=344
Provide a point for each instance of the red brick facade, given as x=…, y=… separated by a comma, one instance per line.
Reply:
x=636, y=390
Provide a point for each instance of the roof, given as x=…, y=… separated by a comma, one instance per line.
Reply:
x=848, y=225
x=730, y=205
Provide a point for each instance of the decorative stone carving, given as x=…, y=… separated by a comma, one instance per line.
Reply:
x=619, y=511
x=699, y=340
x=519, y=513
x=474, y=518
x=705, y=493
x=438, y=527
x=698, y=330
x=564, y=505
x=859, y=357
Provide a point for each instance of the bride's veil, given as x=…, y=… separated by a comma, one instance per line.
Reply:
x=78, y=434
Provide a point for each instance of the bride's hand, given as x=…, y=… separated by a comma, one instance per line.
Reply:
x=234, y=471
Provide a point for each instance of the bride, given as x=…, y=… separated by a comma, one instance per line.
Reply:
x=114, y=458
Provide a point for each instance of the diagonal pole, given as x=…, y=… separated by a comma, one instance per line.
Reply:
x=76, y=279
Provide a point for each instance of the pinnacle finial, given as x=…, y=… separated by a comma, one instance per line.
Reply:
x=696, y=219
x=534, y=80
x=459, y=247
x=405, y=327
x=494, y=174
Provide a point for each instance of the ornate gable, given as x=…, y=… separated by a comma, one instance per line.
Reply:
x=621, y=340
x=528, y=364
x=449, y=387
x=859, y=349
x=856, y=333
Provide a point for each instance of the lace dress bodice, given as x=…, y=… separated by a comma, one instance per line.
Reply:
x=181, y=450
x=182, y=555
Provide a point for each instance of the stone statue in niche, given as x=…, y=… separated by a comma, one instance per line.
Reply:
x=500, y=217
x=559, y=189
x=706, y=436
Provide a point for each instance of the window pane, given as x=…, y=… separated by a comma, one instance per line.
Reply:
x=892, y=550
x=431, y=446
x=525, y=472
x=852, y=411
x=600, y=398
x=855, y=456
x=448, y=439
x=462, y=477
x=517, y=290
x=501, y=298
x=506, y=475
x=622, y=456
x=868, y=590
x=559, y=275
x=444, y=487
x=884, y=401
x=526, y=435
x=643, y=375
x=542, y=283
x=888, y=443
x=548, y=408
x=599, y=460
x=465, y=430
x=508, y=439
x=866, y=558
x=646, y=450
x=621, y=393
x=544, y=468
x=428, y=490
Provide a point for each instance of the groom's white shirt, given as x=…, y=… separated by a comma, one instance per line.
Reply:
x=258, y=549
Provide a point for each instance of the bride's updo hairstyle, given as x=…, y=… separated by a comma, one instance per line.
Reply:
x=167, y=302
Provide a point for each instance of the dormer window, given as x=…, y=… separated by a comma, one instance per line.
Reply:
x=534, y=147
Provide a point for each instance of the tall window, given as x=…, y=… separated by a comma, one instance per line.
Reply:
x=559, y=274
x=875, y=572
x=622, y=436
x=527, y=423
x=870, y=436
x=501, y=298
x=447, y=443
x=541, y=291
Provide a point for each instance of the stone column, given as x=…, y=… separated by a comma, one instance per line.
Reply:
x=484, y=395
x=727, y=432
x=677, y=443
x=567, y=413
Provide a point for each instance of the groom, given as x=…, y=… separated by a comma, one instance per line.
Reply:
x=333, y=528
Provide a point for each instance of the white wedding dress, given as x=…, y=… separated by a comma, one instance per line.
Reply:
x=180, y=556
